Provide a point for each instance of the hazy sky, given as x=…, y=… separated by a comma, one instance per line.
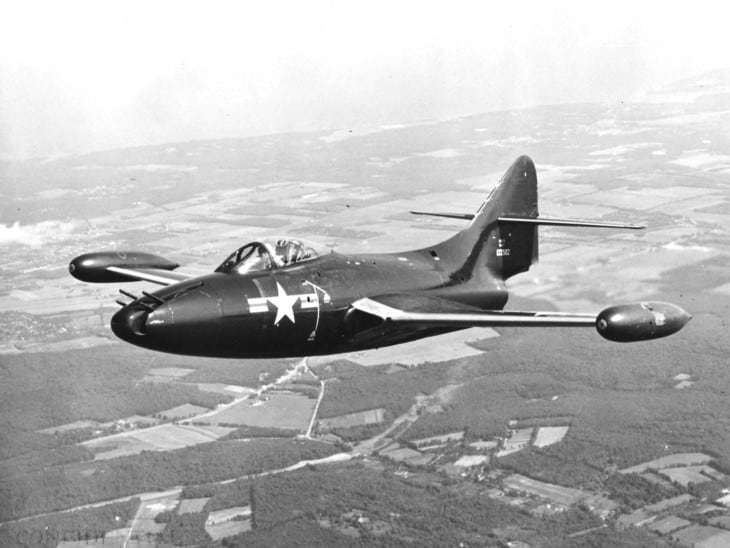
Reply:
x=80, y=76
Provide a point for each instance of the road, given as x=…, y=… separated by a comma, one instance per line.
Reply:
x=369, y=446
x=286, y=377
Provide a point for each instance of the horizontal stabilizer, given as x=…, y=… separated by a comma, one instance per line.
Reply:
x=544, y=221
x=568, y=222
x=463, y=216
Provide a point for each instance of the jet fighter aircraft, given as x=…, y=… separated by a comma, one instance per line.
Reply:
x=286, y=298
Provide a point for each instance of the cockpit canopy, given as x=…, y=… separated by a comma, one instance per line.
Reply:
x=268, y=255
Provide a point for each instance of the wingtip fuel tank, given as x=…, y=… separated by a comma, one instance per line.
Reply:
x=94, y=267
x=641, y=321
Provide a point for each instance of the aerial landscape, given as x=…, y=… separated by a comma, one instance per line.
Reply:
x=482, y=437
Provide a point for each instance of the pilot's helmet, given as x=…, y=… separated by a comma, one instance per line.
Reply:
x=281, y=251
x=289, y=251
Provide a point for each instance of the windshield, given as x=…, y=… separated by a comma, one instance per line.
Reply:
x=267, y=255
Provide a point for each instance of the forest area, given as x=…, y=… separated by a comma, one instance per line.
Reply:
x=40, y=390
x=86, y=525
x=395, y=512
x=76, y=484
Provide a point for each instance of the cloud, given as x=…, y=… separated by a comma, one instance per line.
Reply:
x=35, y=235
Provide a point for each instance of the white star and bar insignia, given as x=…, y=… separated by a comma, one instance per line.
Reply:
x=284, y=303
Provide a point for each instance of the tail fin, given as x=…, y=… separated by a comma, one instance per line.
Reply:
x=502, y=247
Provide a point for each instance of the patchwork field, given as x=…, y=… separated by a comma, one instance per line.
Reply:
x=679, y=459
x=684, y=475
x=560, y=495
x=164, y=437
x=221, y=388
x=184, y=411
x=406, y=455
x=666, y=525
x=276, y=409
x=435, y=349
x=484, y=445
x=548, y=435
x=227, y=528
x=701, y=535
x=228, y=522
x=192, y=506
x=373, y=416
x=671, y=502
x=467, y=461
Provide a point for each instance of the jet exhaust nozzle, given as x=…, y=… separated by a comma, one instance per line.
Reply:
x=641, y=321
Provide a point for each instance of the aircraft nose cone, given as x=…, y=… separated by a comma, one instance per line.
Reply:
x=129, y=324
x=186, y=321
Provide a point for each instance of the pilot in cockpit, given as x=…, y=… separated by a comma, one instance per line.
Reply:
x=267, y=255
x=288, y=252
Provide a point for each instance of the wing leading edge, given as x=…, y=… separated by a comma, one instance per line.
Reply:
x=154, y=275
x=469, y=316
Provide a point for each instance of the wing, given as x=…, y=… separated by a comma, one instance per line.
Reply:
x=408, y=312
x=424, y=311
x=154, y=275
x=125, y=266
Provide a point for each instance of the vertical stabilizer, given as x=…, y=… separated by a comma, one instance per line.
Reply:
x=494, y=247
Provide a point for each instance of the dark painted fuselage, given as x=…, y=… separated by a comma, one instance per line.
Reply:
x=300, y=310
